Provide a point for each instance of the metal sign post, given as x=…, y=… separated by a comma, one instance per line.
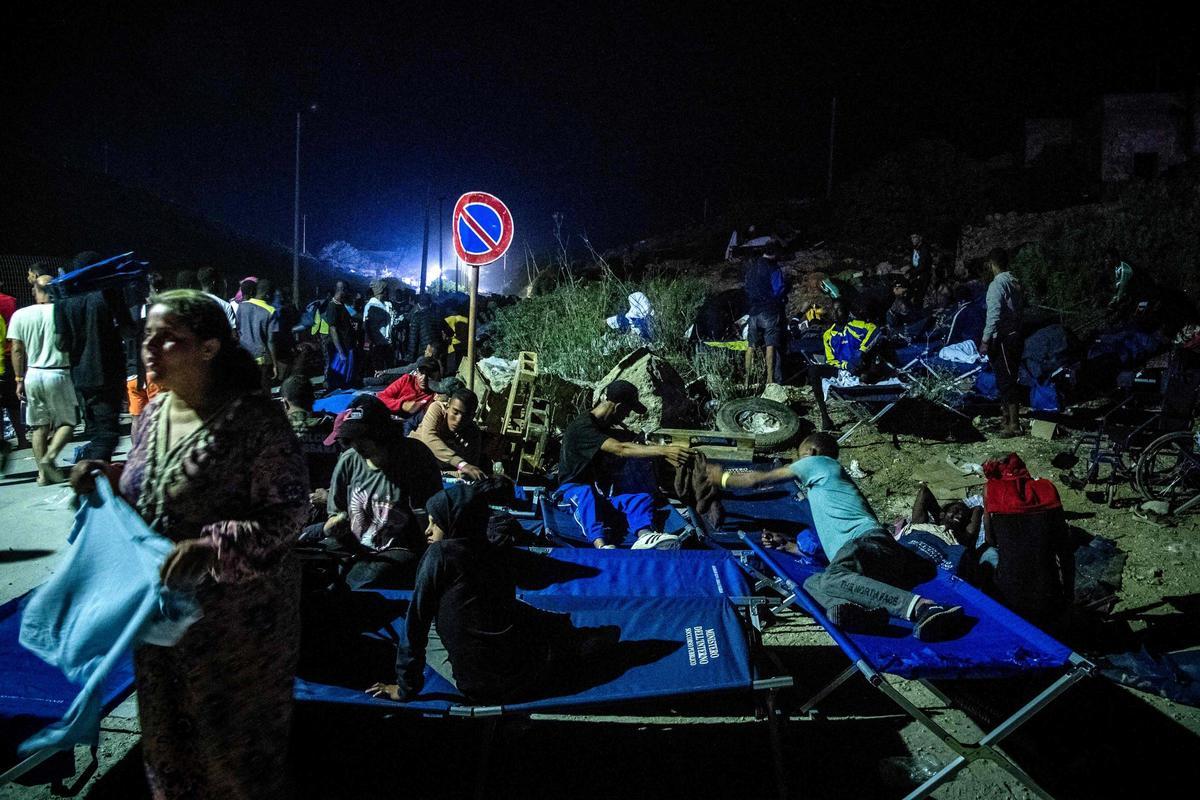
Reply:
x=474, y=279
x=483, y=230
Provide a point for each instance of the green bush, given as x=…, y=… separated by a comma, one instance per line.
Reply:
x=566, y=327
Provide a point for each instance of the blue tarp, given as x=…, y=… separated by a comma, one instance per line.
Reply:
x=114, y=271
x=669, y=645
x=999, y=643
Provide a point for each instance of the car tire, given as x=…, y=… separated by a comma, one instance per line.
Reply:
x=772, y=424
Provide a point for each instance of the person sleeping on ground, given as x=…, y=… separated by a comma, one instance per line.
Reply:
x=465, y=611
x=870, y=575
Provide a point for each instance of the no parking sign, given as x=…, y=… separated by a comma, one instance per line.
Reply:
x=483, y=228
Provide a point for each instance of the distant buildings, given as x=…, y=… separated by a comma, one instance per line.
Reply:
x=1125, y=136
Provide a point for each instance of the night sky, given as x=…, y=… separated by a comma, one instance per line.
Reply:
x=623, y=118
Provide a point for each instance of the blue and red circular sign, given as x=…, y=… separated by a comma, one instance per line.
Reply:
x=483, y=228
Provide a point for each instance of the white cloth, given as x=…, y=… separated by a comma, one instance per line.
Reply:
x=33, y=326
x=49, y=398
x=964, y=352
x=639, y=306
x=845, y=378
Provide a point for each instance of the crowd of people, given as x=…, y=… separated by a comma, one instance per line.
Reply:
x=243, y=483
x=856, y=326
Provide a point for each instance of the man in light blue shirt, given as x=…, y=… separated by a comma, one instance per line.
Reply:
x=860, y=589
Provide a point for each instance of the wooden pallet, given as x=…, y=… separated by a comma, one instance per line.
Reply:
x=721, y=445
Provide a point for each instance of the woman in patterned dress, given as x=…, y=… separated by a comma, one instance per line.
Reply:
x=216, y=468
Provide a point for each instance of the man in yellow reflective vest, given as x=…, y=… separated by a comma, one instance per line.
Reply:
x=848, y=344
x=257, y=324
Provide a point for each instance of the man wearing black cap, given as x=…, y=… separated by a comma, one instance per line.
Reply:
x=607, y=518
x=378, y=493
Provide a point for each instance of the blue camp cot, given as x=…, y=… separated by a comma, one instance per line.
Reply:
x=36, y=694
x=999, y=645
x=688, y=627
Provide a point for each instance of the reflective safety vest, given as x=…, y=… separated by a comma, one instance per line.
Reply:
x=845, y=346
x=319, y=327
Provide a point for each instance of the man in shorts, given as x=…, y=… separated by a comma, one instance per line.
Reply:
x=43, y=376
x=767, y=296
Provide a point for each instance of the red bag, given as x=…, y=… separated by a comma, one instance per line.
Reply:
x=1011, y=490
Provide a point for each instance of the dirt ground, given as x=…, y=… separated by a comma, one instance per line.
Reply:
x=1097, y=740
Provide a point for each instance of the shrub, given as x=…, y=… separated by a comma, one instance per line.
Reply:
x=566, y=327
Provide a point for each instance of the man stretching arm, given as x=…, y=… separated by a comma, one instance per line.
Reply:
x=859, y=590
x=606, y=518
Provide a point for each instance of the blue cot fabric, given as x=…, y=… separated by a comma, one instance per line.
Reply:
x=642, y=573
x=699, y=645
x=104, y=599
x=34, y=694
x=686, y=644
x=565, y=523
x=335, y=402
x=999, y=644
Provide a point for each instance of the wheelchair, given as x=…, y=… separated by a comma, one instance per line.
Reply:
x=1146, y=440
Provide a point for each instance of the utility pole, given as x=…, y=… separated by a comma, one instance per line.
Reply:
x=304, y=235
x=425, y=244
x=441, y=250
x=832, y=133
x=296, y=224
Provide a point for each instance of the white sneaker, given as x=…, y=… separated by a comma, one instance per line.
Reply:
x=657, y=541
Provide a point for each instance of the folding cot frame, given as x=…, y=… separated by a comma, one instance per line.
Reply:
x=903, y=390
x=766, y=690
x=986, y=748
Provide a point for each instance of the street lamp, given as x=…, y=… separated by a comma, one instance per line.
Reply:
x=296, y=216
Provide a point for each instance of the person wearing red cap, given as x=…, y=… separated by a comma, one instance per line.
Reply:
x=607, y=518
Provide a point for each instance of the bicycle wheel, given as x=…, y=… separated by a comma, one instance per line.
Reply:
x=1169, y=468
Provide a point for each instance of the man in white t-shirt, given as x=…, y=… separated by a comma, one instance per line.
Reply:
x=43, y=375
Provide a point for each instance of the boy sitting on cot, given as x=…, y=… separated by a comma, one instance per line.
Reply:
x=860, y=589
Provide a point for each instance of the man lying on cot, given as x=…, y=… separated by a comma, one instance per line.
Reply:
x=948, y=536
x=499, y=649
x=593, y=448
x=860, y=589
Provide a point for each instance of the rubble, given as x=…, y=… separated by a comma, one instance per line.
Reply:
x=790, y=396
x=659, y=387
x=1013, y=230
